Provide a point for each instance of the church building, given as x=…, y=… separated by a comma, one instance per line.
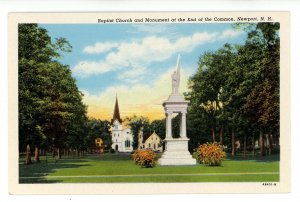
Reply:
x=122, y=138
x=150, y=141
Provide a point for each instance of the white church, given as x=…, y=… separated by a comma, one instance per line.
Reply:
x=122, y=138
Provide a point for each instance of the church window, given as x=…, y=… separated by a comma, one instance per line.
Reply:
x=144, y=146
x=127, y=143
x=149, y=145
x=154, y=146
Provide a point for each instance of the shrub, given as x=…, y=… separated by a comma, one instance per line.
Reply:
x=144, y=157
x=210, y=154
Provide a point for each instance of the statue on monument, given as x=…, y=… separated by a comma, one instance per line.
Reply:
x=176, y=78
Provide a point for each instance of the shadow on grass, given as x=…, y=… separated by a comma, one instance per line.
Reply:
x=39, y=180
x=109, y=157
x=257, y=158
x=36, y=172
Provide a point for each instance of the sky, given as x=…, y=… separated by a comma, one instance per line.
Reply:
x=135, y=61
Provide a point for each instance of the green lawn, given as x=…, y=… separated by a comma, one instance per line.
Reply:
x=121, y=168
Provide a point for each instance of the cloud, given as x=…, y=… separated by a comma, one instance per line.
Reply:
x=99, y=48
x=133, y=75
x=140, y=99
x=145, y=51
x=86, y=68
x=230, y=33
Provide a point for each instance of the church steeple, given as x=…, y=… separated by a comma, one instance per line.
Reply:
x=116, y=112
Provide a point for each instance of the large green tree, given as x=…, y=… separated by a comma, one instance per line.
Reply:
x=208, y=86
x=236, y=89
x=262, y=103
x=50, y=104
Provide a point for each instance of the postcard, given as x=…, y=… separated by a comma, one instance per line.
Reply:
x=149, y=102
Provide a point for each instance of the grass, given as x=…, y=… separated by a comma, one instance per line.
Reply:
x=121, y=168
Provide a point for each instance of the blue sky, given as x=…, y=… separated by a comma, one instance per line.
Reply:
x=134, y=60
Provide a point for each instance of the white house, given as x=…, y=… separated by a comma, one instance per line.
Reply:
x=151, y=141
x=122, y=138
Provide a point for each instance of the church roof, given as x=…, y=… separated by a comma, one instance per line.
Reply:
x=116, y=115
x=146, y=136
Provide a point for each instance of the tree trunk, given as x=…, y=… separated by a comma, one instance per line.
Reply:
x=36, y=154
x=253, y=145
x=261, y=143
x=221, y=134
x=232, y=143
x=245, y=142
x=270, y=143
x=53, y=152
x=213, y=134
x=58, y=153
x=28, y=155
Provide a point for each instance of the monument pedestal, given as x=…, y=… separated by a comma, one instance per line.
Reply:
x=176, y=153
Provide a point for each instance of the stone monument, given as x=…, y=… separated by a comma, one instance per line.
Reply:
x=176, y=149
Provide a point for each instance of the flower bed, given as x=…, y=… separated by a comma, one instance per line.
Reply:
x=210, y=154
x=145, y=158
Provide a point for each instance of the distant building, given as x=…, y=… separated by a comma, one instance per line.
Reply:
x=150, y=141
x=122, y=138
x=99, y=145
x=99, y=142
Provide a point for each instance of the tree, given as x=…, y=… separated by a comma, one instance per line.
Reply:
x=236, y=90
x=50, y=104
x=137, y=124
x=262, y=102
x=107, y=139
x=159, y=126
x=98, y=129
x=207, y=88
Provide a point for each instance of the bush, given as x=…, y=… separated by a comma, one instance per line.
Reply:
x=145, y=158
x=112, y=151
x=210, y=154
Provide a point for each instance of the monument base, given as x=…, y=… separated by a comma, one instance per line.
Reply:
x=176, y=153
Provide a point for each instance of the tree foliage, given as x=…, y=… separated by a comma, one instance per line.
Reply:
x=235, y=92
x=98, y=129
x=137, y=124
x=51, y=112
